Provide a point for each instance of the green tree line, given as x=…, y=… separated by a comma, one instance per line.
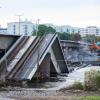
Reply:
x=43, y=29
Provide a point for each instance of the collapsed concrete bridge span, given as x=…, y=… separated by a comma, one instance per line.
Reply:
x=31, y=56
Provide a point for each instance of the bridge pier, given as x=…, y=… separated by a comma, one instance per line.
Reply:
x=43, y=71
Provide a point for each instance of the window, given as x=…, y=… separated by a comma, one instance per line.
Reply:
x=97, y=30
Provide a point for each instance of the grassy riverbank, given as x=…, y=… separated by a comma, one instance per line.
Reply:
x=62, y=98
x=88, y=98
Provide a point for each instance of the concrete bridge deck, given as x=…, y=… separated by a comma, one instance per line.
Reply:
x=31, y=56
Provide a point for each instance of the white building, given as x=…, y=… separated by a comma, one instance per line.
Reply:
x=27, y=28
x=66, y=28
x=22, y=28
x=90, y=30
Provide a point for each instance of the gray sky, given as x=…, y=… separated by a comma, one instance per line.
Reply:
x=79, y=13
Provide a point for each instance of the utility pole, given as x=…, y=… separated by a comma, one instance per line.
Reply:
x=19, y=17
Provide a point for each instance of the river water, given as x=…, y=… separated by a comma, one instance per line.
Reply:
x=66, y=80
x=49, y=88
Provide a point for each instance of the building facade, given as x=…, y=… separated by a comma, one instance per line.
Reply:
x=22, y=28
x=27, y=28
x=90, y=30
x=66, y=28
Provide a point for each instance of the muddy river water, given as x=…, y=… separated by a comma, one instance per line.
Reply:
x=66, y=80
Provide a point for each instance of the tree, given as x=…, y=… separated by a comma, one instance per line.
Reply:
x=50, y=30
x=64, y=36
x=75, y=37
x=43, y=29
x=34, y=33
x=97, y=38
x=90, y=38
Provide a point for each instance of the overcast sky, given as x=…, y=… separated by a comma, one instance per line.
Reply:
x=79, y=13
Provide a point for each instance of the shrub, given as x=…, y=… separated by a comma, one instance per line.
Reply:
x=97, y=79
x=77, y=86
x=92, y=80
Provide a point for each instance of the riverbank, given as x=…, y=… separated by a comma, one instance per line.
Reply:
x=63, y=94
x=56, y=90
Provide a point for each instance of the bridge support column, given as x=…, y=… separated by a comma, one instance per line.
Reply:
x=43, y=71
